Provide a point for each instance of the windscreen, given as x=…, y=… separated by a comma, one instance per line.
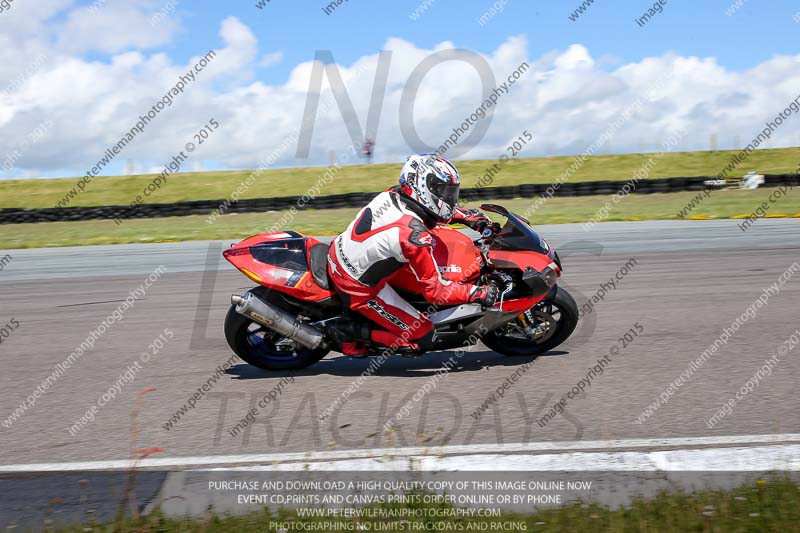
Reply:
x=518, y=235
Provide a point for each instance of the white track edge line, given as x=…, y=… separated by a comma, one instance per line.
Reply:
x=764, y=458
x=174, y=462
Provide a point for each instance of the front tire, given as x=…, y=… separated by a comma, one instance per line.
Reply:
x=557, y=313
x=260, y=346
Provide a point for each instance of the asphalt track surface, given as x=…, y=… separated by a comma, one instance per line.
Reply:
x=691, y=280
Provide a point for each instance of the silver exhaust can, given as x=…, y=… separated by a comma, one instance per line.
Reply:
x=276, y=319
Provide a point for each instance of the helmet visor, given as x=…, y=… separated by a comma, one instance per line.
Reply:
x=445, y=192
x=445, y=195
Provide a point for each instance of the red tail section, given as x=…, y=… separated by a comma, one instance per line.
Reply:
x=284, y=261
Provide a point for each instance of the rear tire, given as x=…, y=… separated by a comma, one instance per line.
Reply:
x=561, y=310
x=259, y=346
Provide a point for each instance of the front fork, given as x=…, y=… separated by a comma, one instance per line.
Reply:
x=528, y=321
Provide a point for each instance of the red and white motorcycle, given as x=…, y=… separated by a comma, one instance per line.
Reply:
x=285, y=322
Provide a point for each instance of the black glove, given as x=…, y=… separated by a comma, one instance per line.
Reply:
x=486, y=295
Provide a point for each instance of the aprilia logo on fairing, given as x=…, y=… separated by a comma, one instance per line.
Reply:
x=450, y=268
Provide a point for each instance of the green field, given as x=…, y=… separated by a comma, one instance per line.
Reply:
x=766, y=505
x=121, y=190
x=721, y=204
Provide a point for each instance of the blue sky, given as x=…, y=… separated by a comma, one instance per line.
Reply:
x=757, y=31
x=105, y=61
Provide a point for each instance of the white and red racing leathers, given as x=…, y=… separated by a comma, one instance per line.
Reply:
x=385, y=236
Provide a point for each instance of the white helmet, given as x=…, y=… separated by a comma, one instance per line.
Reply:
x=432, y=182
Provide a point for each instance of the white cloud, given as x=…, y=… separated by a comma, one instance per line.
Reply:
x=31, y=18
x=566, y=99
x=115, y=26
x=271, y=59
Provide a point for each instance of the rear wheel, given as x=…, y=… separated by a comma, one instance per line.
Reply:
x=262, y=347
x=540, y=329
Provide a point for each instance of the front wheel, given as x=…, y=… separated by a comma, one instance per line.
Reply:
x=542, y=328
x=260, y=346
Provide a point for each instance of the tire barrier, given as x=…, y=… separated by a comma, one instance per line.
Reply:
x=359, y=199
x=776, y=180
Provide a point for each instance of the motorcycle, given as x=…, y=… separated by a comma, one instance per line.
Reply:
x=289, y=320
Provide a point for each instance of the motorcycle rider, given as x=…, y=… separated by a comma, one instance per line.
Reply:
x=390, y=232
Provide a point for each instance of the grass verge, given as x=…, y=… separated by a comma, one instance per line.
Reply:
x=122, y=190
x=767, y=505
x=721, y=204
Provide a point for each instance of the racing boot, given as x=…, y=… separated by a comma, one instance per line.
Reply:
x=403, y=346
x=393, y=342
x=354, y=349
x=350, y=336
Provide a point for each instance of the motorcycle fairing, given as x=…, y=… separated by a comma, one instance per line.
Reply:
x=280, y=261
x=460, y=262
x=452, y=314
x=456, y=255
